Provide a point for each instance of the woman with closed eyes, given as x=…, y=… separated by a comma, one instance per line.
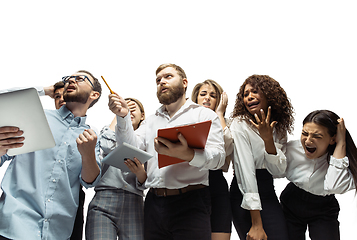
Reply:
x=323, y=163
x=210, y=95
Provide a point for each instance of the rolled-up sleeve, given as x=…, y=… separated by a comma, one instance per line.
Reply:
x=276, y=164
x=338, y=178
x=245, y=170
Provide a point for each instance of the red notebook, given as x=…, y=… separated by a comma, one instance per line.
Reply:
x=195, y=134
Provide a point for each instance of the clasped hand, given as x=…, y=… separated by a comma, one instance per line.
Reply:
x=86, y=142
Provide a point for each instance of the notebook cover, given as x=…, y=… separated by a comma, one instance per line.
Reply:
x=195, y=134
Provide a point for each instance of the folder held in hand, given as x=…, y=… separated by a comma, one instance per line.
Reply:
x=195, y=134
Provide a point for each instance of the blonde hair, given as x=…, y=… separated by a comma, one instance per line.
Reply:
x=212, y=83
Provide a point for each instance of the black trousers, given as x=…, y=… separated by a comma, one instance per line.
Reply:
x=303, y=209
x=185, y=216
x=272, y=215
x=221, y=212
x=78, y=223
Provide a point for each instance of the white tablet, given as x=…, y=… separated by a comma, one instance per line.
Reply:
x=23, y=109
x=125, y=151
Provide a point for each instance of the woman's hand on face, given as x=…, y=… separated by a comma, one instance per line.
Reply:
x=223, y=103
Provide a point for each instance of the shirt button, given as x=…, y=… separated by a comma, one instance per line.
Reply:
x=48, y=200
x=54, y=180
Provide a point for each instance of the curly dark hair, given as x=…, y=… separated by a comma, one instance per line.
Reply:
x=281, y=109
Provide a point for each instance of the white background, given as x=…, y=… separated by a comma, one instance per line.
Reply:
x=308, y=46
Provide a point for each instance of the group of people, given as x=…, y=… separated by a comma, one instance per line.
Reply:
x=42, y=196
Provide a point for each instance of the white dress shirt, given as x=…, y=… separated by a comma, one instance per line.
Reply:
x=317, y=176
x=182, y=174
x=249, y=154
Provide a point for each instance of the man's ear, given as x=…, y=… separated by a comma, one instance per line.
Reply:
x=94, y=95
x=185, y=82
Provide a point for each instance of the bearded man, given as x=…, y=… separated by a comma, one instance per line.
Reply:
x=177, y=205
x=40, y=189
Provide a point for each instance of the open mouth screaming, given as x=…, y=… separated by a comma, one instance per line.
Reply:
x=310, y=149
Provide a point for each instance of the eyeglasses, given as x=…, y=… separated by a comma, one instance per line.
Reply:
x=79, y=78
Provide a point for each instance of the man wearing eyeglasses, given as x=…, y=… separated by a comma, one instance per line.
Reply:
x=56, y=92
x=40, y=189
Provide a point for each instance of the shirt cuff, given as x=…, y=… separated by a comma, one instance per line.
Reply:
x=93, y=184
x=198, y=159
x=339, y=163
x=251, y=201
x=122, y=122
x=274, y=159
x=277, y=159
x=40, y=91
x=140, y=186
x=108, y=133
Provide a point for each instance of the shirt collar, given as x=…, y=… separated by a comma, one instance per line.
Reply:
x=188, y=104
x=67, y=115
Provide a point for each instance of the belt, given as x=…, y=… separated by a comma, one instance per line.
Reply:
x=163, y=192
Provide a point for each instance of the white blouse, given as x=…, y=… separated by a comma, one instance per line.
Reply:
x=317, y=176
x=249, y=154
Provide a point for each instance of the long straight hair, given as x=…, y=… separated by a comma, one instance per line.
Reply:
x=329, y=119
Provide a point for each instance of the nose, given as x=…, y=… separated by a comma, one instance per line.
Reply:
x=250, y=96
x=163, y=81
x=309, y=139
x=71, y=80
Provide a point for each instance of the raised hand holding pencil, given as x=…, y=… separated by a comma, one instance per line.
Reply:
x=117, y=104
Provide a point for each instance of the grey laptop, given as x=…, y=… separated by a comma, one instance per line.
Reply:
x=117, y=157
x=23, y=109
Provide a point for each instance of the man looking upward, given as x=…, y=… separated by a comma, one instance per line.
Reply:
x=177, y=205
x=40, y=189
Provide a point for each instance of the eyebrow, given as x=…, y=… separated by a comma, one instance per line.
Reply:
x=313, y=134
